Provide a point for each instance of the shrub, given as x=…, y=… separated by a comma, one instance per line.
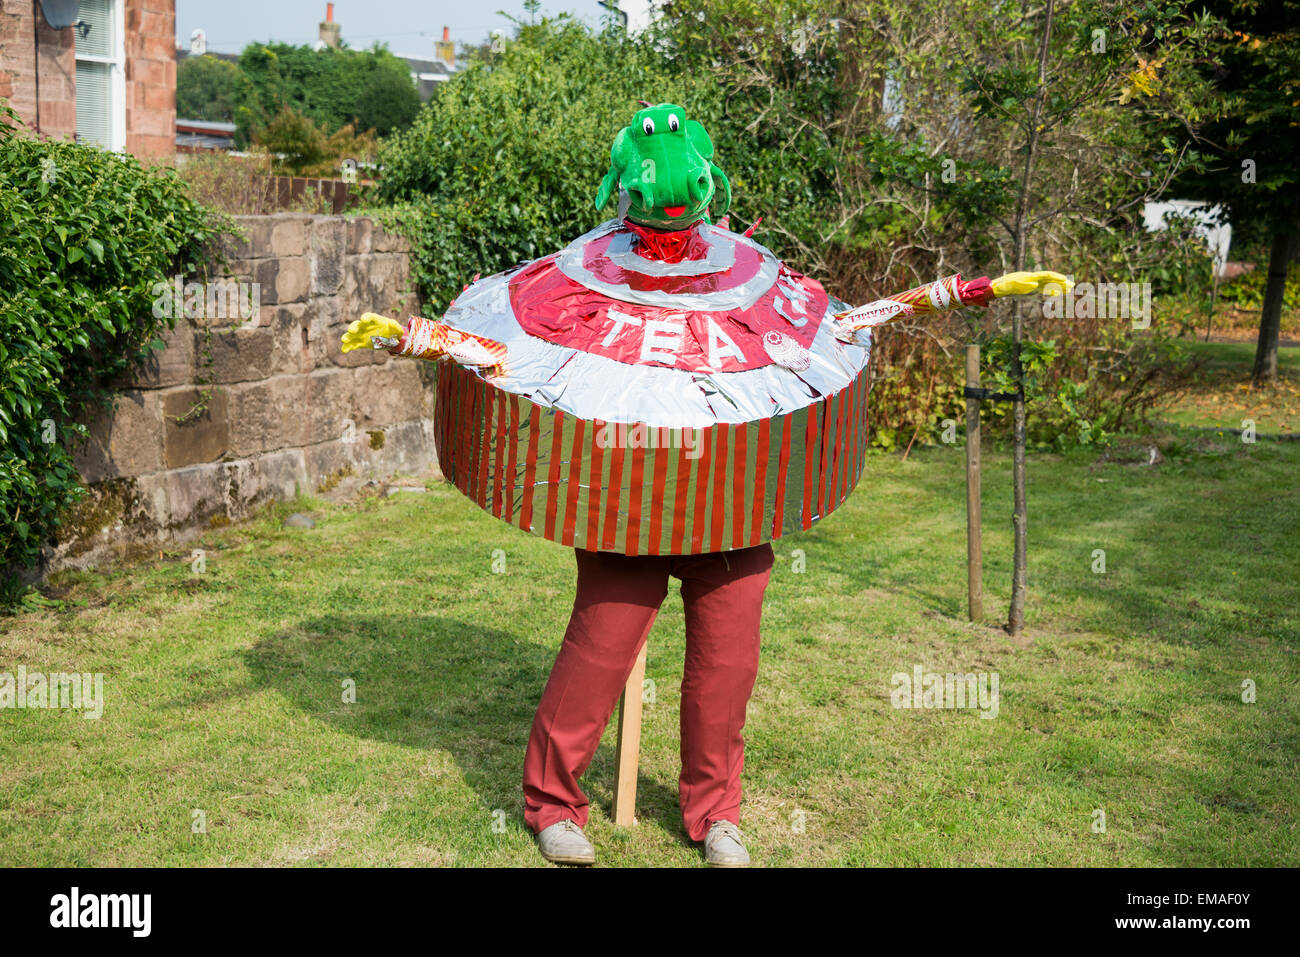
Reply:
x=87, y=233
x=1247, y=290
x=302, y=148
x=205, y=89
x=370, y=89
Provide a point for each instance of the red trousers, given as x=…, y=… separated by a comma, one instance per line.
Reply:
x=616, y=602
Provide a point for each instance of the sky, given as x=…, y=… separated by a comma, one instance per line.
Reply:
x=408, y=26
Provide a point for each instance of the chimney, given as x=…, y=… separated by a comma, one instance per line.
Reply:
x=329, y=30
x=445, y=50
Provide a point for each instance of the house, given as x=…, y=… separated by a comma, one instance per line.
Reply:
x=425, y=73
x=98, y=71
x=635, y=15
x=203, y=136
x=1207, y=222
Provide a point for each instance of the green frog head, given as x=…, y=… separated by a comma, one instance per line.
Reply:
x=665, y=162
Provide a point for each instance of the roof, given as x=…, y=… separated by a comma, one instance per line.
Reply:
x=204, y=135
x=203, y=126
x=424, y=64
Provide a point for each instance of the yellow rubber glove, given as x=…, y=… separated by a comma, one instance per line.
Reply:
x=370, y=324
x=1026, y=283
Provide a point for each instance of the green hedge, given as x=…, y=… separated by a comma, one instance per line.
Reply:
x=371, y=89
x=1247, y=290
x=86, y=234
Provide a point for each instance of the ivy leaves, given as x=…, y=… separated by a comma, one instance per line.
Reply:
x=87, y=233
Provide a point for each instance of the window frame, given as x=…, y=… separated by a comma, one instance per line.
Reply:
x=116, y=75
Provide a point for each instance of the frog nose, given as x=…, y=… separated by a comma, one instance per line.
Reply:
x=698, y=187
x=642, y=193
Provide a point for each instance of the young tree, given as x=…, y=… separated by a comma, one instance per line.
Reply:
x=1085, y=96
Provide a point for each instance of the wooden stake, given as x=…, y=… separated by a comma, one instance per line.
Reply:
x=974, y=540
x=628, y=755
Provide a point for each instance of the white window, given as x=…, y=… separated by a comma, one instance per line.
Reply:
x=101, y=74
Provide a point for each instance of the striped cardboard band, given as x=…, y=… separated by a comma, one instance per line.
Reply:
x=647, y=491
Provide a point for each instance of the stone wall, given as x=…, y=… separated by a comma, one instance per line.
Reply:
x=234, y=413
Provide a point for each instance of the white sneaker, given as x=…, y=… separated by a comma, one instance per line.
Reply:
x=564, y=843
x=724, y=846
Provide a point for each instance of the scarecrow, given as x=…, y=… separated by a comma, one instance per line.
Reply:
x=667, y=398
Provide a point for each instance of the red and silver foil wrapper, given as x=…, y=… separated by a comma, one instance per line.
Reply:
x=654, y=393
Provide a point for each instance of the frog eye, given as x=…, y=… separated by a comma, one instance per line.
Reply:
x=672, y=122
x=648, y=126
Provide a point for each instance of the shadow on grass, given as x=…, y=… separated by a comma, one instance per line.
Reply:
x=435, y=683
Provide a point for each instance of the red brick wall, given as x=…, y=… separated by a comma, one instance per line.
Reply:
x=151, y=78
x=58, y=113
x=150, y=46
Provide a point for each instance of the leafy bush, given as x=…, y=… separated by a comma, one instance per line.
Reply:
x=302, y=148
x=1068, y=403
x=370, y=89
x=87, y=233
x=1247, y=290
x=205, y=89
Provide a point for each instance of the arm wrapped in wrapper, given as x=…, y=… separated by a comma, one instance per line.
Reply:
x=432, y=339
x=948, y=293
x=426, y=339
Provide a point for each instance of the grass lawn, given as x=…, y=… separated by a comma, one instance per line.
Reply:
x=1222, y=394
x=224, y=689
